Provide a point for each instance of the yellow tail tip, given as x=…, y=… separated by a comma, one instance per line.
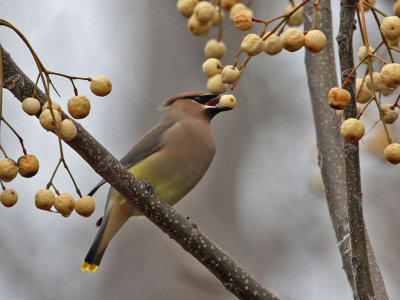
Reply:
x=88, y=267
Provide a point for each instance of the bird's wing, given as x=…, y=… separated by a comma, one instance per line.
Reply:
x=147, y=145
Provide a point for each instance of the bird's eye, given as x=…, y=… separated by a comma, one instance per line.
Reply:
x=197, y=99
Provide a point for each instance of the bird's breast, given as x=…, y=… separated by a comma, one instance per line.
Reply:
x=180, y=164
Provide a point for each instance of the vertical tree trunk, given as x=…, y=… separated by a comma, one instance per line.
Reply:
x=321, y=74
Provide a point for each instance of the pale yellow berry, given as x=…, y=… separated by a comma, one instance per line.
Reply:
x=204, y=11
x=352, y=130
x=197, y=28
x=8, y=169
x=338, y=98
x=243, y=20
x=211, y=67
x=363, y=93
x=252, y=44
x=31, y=106
x=227, y=101
x=394, y=43
x=392, y=153
x=64, y=204
x=387, y=91
x=390, y=75
x=238, y=7
x=227, y=4
x=218, y=17
x=230, y=74
x=273, y=44
x=101, y=86
x=315, y=41
x=54, y=105
x=293, y=39
x=396, y=8
x=390, y=113
x=186, y=7
x=85, y=206
x=362, y=53
x=215, y=85
x=47, y=121
x=296, y=18
x=214, y=48
x=377, y=82
x=28, y=165
x=390, y=27
x=44, y=199
x=79, y=106
x=8, y=197
x=67, y=130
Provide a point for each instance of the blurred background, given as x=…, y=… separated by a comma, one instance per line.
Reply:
x=262, y=199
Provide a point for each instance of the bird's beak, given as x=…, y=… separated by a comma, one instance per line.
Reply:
x=213, y=100
x=215, y=105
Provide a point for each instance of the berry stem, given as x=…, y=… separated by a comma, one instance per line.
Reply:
x=351, y=73
x=2, y=150
x=2, y=185
x=315, y=15
x=384, y=40
x=397, y=101
x=21, y=141
x=54, y=174
x=68, y=76
x=72, y=178
x=220, y=22
x=374, y=9
x=363, y=28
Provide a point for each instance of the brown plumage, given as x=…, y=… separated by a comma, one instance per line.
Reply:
x=172, y=157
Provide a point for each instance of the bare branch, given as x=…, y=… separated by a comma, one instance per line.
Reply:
x=358, y=236
x=330, y=145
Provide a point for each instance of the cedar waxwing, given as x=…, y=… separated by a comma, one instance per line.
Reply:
x=172, y=158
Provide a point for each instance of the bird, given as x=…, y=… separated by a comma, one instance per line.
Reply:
x=171, y=159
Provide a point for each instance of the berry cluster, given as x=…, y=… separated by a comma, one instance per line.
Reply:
x=64, y=203
x=203, y=15
x=52, y=118
x=373, y=85
x=27, y=166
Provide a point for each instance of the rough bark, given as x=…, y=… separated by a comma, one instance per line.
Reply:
x=321, y=72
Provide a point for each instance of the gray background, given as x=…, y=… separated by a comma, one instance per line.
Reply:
x=261, y=199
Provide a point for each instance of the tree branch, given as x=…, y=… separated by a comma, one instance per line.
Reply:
x=329, y=139
x=358, y=236
x=330, y=145
x=233, y=277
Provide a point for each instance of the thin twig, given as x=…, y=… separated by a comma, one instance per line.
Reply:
x=21, y=140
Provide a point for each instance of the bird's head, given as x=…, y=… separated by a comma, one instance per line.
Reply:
x=211, y=104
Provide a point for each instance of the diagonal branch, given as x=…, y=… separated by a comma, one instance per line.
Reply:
x=235, y=279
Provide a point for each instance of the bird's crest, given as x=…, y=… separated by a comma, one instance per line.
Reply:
x=168, y=102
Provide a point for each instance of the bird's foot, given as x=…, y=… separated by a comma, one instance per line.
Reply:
x=149, y=189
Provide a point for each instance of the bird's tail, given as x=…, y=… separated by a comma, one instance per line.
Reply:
x=114, y=217
x=95, y=254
